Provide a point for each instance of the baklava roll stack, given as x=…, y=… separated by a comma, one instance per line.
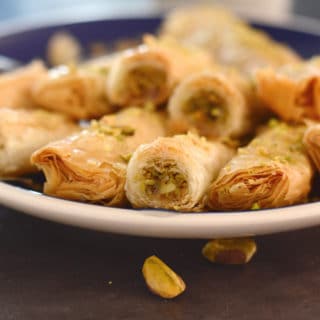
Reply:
x=24, y=131
x=139, y=76
x=229, y=40
x=91, y=165
x=174, y=172
x=216, y=103
x=76, y=92
x=16, y=86
x=292, y=91
x=184, y=60
x=272, y=171
x=148, y=73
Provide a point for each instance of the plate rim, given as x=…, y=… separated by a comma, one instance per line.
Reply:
x=160, y=223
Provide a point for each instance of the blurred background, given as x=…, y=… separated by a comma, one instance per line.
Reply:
x=80, y=9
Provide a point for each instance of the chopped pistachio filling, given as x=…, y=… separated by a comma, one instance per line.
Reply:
x=146, y=83
x=273, y=123
x=163, y=181
x=149, y=106
x=126, y=157
x=116, y=131
x=206, y=105
x=255, y=206
x=286, y=150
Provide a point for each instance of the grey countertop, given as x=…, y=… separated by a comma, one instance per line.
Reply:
x=49, y=271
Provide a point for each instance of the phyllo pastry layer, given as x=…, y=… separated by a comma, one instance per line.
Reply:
x=174, y=172
x=229, y=40
x=311, y=141
x=272, y=171
x=24, y=131
x=91, y=165
x=216, y=103
x=16, y=86
x=292, y=91
x=77, y=92
x=139, y=76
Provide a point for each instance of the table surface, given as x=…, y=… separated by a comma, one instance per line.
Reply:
x=49, y=271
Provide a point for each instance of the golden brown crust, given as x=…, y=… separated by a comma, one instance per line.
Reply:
x=215, y=103
x=24, y=131
x=292, y=92
x=272, y=171
x=230, y=40
x=184, y=60
x=311, y=141
x=139, y=76
x=79, y=93
x=91, y=166
x=15, y=86
x=174, y=172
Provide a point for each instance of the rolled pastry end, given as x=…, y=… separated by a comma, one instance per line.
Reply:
x=263, y=187
x=72, y=182
x=292, y=92
x=209, y=103
x=138, y=77
x=158, y=181
x=164, y=181
x=91, y=165
x=174, y=172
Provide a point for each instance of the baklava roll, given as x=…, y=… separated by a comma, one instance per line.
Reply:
x=184, y=60
x=293, y=91
x=24, y=131
x=174, y=172
x=311, y=141
x=230, y=40
x=15, y=86
x=77, y=92
x=91, y=165
x=272, y=171
x=137, y=77
x=215, y=103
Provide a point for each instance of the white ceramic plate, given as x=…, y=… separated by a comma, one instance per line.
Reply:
x=158, y=223
x=155, y=223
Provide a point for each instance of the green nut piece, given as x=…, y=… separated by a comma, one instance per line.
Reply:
x=230, y=251
x=162, y=280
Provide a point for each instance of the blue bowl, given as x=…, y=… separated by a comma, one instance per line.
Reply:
x=28, y=43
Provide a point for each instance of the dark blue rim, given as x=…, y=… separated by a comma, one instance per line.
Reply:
x=25, y=42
